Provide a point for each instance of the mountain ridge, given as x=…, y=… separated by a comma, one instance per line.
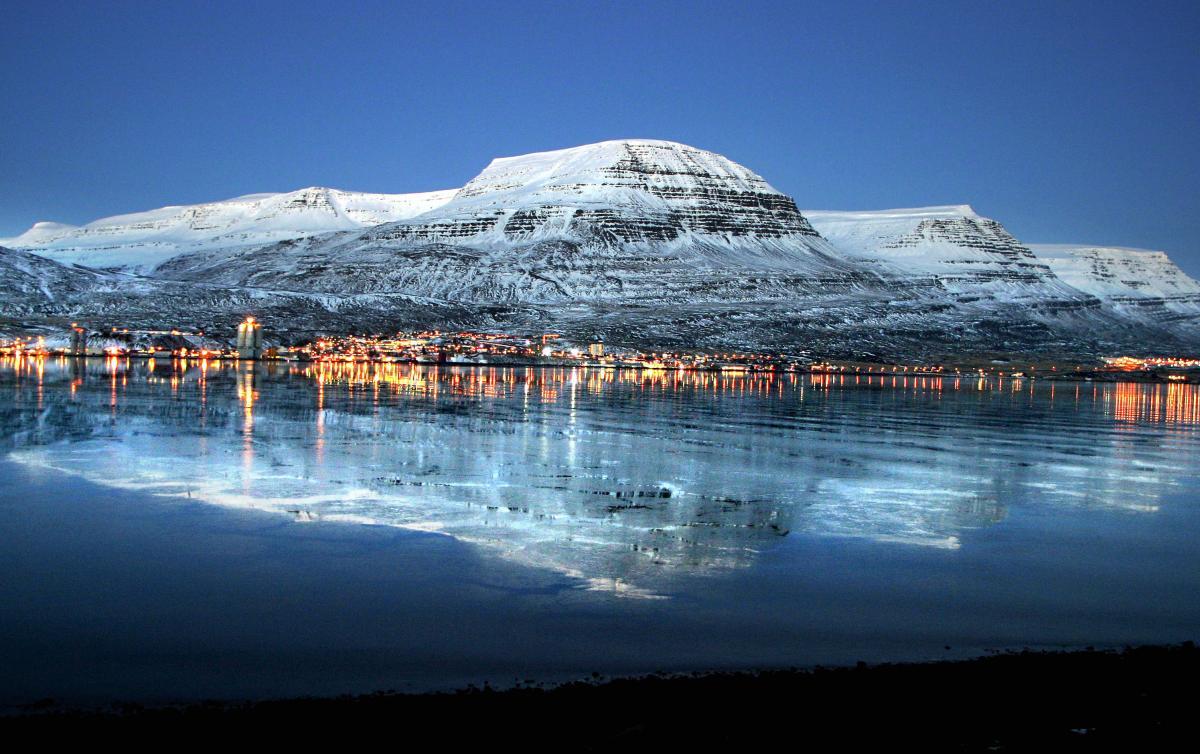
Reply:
x=650, y=241
x=138, y=241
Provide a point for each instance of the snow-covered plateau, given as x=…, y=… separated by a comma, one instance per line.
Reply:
x=142, y=240
x=1138, y=283
x=643, y=242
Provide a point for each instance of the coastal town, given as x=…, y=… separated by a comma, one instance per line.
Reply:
x=464, y=348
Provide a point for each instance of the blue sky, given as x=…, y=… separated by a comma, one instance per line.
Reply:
x=1066, y=121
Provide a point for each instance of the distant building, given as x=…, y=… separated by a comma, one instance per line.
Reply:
x=596, y=349
x=1124, y=363
x=249, y=340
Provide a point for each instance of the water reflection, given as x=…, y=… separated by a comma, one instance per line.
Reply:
x=620, y=478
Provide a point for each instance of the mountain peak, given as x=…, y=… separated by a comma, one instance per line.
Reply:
x=41, y=232
x=620, y=191
x=645, y=164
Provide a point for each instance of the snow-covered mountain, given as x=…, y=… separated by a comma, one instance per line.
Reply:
x=142, y=240
x=972, y=256
x=646, y=242
x=617, y=192
x=651, y=221
x=954, y=244
x=1136, y=282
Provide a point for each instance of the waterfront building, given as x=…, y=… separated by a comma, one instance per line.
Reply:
x=249, y=339
x=78, y=340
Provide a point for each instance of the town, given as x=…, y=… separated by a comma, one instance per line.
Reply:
x=545, y=349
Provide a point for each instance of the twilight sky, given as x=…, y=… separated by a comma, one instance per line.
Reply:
x=1067, y=121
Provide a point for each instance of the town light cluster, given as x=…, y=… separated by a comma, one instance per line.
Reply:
x=546, y=349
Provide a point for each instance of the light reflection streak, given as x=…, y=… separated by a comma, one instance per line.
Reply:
x=1175, y=404
x=530, y=461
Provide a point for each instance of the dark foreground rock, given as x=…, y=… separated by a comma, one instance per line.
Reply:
x=1140, y=699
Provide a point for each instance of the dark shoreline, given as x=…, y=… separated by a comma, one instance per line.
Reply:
x=1138, y=698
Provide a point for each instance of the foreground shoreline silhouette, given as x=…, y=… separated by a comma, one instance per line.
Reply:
x=1082, y=700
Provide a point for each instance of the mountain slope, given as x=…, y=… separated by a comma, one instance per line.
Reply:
x=1135, y=282
x=963, y=251
x=33, y=285
x=142, y=240
x=39, y=295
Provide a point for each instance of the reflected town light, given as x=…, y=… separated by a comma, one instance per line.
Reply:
x=586, y=471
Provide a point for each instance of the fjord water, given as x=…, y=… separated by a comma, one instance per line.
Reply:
x=179, y=529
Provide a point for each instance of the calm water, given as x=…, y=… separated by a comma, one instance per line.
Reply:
x=187, y=529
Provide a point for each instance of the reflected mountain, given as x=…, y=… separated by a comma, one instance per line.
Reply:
x=619, y=478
